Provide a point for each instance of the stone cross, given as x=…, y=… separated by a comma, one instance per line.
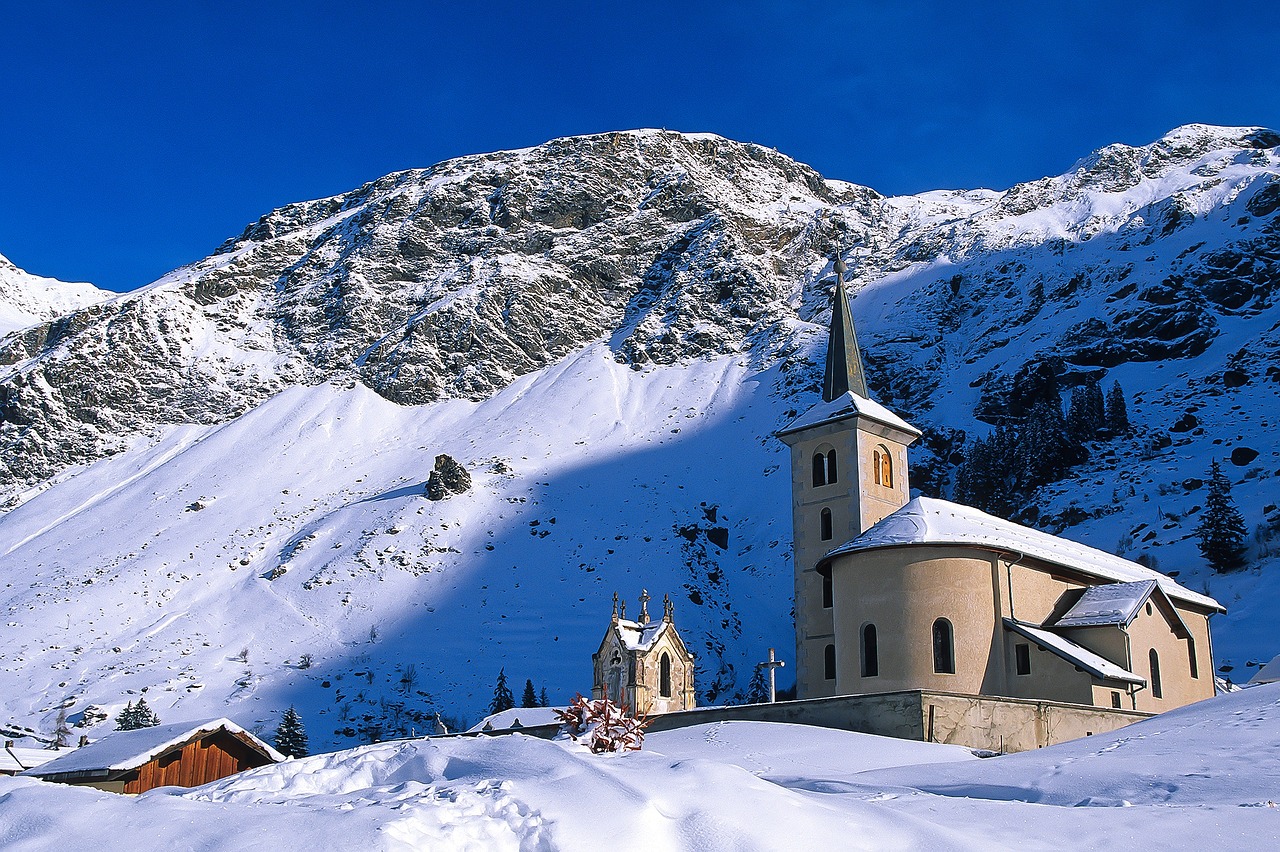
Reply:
x=773, y=664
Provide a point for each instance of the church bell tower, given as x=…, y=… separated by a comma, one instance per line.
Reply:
x=848, y=470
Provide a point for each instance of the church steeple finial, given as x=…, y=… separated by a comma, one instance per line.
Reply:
x=644, y=606
x=844, y=359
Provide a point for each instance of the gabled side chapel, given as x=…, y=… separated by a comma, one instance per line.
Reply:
x=644, y=664
x=894, y=593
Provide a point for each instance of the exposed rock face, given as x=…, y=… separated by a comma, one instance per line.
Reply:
x=447, y=478
x=452, y=281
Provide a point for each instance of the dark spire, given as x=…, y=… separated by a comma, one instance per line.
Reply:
x=844, y=359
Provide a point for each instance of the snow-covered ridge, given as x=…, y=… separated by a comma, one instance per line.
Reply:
x=27, y=300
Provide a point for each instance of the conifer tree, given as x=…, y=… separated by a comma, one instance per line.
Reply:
x=1117, y=411
x=1221, y=529
x=145, y=716
x=503, y=699
x=291, y=738
x=543, y=701
x=530, y=697
x=127, y=720
x=758, y=688
x=61, y=732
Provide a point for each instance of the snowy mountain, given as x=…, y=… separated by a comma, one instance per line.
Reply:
x=220, y=473
x=27, y=300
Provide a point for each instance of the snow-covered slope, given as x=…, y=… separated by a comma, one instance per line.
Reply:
x=27, y=300
x=605, y=331
x=1204, y=774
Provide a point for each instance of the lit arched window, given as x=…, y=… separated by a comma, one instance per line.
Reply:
x=1191, y=652
x=1156, y=691
x=819, y=470
x=882, y=465
x=826, y=524
x=944, y=653
x=831, y=467
x=870, y=653
x=664, y=675
x=829, y=661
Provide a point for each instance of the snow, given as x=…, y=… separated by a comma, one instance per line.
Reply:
x=123, y=750
x=926, y=520
x=1071, y=652
x=847, y=405
x=27, y=300
x=637, y=636
x=1202, y=775
x=17, y=758
x=1269, y=673
x=1113, y=603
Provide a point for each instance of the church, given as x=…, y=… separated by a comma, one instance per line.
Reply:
x=894, y=593
x=644, y=664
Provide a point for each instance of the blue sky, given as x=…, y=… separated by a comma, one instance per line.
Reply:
x=137, y=137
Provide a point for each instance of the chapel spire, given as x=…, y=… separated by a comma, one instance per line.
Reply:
x=844, y=359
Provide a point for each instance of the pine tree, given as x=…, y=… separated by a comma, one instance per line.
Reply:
x=1117, y=411
x=503, y=699
x=530, y=697
x=543, y=701
x=758, y=688
x=128, y=719
x=1086, y=415
x=291, y=737
x=144, y=717
x=1221, y=529
x=61, y=733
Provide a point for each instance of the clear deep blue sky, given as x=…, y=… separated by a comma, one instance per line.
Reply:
x=137, y=139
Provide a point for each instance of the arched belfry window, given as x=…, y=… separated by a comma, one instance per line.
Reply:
x=882, y=465
x=1156, y=690
x=829, y=662
x=944, y=651
x=825, y=523
x=870, y=653
x=824, y=468
x=664, y=675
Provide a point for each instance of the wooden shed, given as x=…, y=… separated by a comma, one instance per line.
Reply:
x=184, y=754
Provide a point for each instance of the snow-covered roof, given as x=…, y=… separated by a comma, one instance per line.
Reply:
x=1113, y=603
x=926, y=520
x=120, y=751
x=1077, y=655
x=847, y=405
x=526, y=716
x=1270, y=673
x=16, y=759
x=639, y=637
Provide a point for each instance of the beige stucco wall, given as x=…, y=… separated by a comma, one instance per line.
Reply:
x=1154, y=629
x=902, y=591
x=855, y=503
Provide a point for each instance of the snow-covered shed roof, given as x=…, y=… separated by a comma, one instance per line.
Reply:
x=1113, y=603
x=1077, y=655
x=1270, y=673
x=17, y=758
x=120, y=751
x=926, y=520
x=526, y=716
x=847, y=405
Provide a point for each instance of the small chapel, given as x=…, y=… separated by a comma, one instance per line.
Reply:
x=643, y=664
x=898, y=593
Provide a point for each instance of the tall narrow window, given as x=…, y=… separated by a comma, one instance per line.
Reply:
x=828, y=595
x=875, y=464
x=884, y=470
x=1156, y=691
x=819, y=470
x=1022, y=658
x=664, y=675
x=944, y=656
x=825, y=518
x=831, y=467
x=829, y=661
x=870, y=653
x=1191, y=654
x=1115, y=699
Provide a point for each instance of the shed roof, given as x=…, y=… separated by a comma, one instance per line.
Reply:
x=18, y=758
x=1109, y=604
x=847, y=405
x=120, y=751
x=926, y=520
x=1270, y=673
x=1077, y=655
